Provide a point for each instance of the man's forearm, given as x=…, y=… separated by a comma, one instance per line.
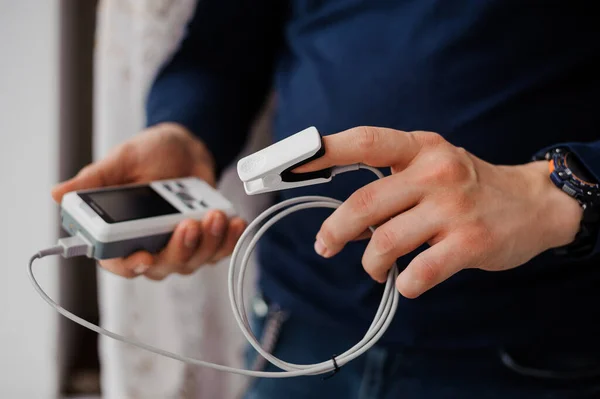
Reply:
x=221, y=74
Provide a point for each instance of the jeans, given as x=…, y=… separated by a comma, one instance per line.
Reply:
x=411, y=373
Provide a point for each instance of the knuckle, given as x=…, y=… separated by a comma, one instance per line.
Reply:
x=157, y=274
x=448, y=168
x=124, y=154
x=384, y=241
x=371, y=270
x=428, y=138
x=460, y=203
x=476, y=238
x=124, y=149
x=363, y=201
x=328, y=234
x=452, y=169
x=128, y=274
x=370, y=265
x=367, y=137
x=461, y=151
x=87, y=171
x=427, y=269
x=186, y=270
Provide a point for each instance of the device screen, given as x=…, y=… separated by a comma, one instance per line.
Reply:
x=129, y=203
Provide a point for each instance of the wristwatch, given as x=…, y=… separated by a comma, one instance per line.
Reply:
x=569, y=174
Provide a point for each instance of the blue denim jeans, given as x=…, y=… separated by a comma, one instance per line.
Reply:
x=412, y=373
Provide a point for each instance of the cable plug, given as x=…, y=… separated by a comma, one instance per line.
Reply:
x=76, y=246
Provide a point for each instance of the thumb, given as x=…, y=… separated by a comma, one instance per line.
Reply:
x=107, y=172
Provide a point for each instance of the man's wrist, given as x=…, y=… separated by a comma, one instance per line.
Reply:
x=561, y=214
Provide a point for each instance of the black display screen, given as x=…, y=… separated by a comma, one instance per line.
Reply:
x=129, y=203
x=578, y=169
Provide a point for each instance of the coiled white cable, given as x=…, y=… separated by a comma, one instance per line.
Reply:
x=381, y=321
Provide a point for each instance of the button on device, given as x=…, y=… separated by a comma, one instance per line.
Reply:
x=202, y=203
x=180, y=185
x=166, y=185
x=190, y=205
x=184, y=196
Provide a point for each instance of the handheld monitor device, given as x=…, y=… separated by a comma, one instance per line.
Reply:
x=118, y=221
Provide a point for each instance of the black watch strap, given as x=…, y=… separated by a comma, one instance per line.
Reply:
x=569, y=175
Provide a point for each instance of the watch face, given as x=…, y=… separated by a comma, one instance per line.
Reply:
x=579, y=170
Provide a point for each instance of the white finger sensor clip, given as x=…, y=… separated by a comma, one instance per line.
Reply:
x=270, y=169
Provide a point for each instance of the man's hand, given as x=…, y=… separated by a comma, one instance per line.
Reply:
x=162, y=152
x=472, y=213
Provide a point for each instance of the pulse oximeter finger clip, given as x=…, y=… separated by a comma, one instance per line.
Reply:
x=270, y=169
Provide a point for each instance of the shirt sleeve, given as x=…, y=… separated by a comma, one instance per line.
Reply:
x=221, y=74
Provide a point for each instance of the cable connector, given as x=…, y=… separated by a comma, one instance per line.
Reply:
x=77, y=245
x=343, y=169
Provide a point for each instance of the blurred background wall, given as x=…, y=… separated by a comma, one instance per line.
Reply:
x=73, y=76
x=29, y=122
x=45, y=119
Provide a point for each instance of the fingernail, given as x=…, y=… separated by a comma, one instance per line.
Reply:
x=139, y=269
x=321, y=249
x=191, y=238
x=217, y=227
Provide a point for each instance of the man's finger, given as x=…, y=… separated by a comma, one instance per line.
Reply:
x=131, y=266
x=183, y=243
x=370, y=205
x=214, y=230
x=235, y=230
x=433, y=266
x=374, y=146
x=111, y=170
x=398, y=237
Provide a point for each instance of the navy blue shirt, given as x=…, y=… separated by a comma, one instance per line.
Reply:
x=501, y=78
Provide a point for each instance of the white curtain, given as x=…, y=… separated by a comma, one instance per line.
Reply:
x=186, y=314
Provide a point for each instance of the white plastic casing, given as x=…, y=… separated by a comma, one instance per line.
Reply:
x=261, y=172
x=105, y=232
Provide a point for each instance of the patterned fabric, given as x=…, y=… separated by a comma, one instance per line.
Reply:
x=188, y=315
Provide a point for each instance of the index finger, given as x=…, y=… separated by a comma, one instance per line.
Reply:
x=374, y=146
